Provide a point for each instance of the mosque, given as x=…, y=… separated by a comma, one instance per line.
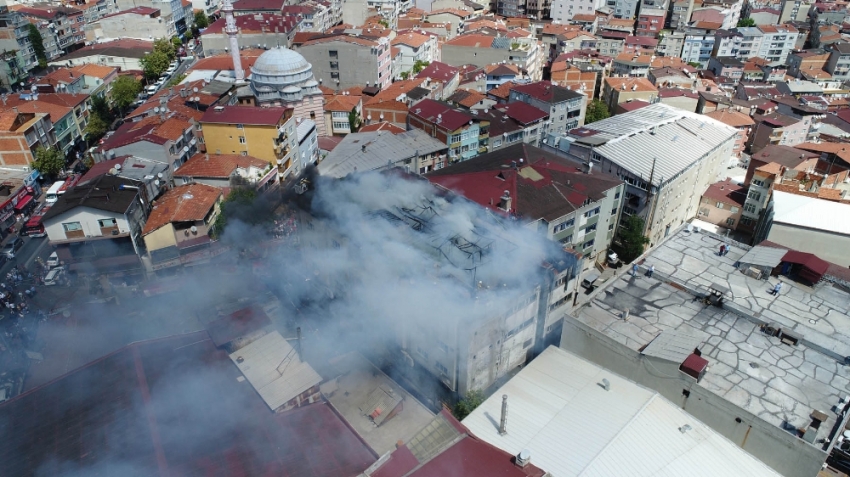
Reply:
x=279, y=78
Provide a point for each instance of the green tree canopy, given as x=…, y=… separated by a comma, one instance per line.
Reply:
x=420, y=65
x=189, y=34
x=49, y=162
x=596, y=111
x=695, y=64
x=201, y=20
x=746, y=22
x=37, y=43
x=95, y=129
x=164, y=45
x=468, y=404
x=154, y=64
x=354, y=120
x=631, y=238
x=176, y=42
x=125, y=90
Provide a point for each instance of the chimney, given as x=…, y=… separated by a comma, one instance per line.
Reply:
x=503, y=422
x=300, y=348
x=523, y=458
x=15, y=109
x=363, y=148
x=505, y=201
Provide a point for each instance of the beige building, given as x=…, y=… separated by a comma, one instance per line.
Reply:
x=738, y=120
x=140, y=23
x=482, y=50
x=722, y=204
x=621, y=90
x=180, y=220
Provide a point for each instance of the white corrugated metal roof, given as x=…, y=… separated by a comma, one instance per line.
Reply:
x=370, y=151
x=675, y=139
x=573, y=427
x=764, y=256
x=819, y=214
x=273, y=368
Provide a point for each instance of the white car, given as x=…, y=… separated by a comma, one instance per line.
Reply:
x=152, y=89
x=54, y=276
x=53, y=260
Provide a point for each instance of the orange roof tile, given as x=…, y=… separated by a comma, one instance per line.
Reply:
x=7, y=120
x=344, y=38
x=503, y=91
x=382, y=126
x=558, y=29
x=468, y=97
x=471, y=39
x=217, y=165
x=182, y=204
x=453, y=11
x=829, y=194
x=411, y=39
x=97, y=71
x=340, y=103
x=732, y=118
x=773, y=168
x=388, y=105
x=639, y=84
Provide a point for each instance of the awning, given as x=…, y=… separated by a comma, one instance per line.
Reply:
x=23, y=202
x=813, y=267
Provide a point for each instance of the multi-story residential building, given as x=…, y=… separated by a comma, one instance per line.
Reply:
x=625, y=9
x=344, y=61
x=482, y=50
x=809, y=62
x=616, y=91
x=738, y=120
x=93, y=80
x=209, y=7
x=465, y=134
x=182, y=220
x=315, y=16
x=839, y=60
x=308, y=142
x=455, y=18
x=650, y=21
x=122, y=54
x=666, y=156
x=722, y=204
x=698, y=45
x=566, y=108
x=794, y=10
x=581, y=78
x=670, y=43
x=168, y=138
x=171, y=11
x=439, y=77
x=728, y=67
x=338, y=110
x=21, y=134
x=631, y=65
x=68, y=112
x=778, y=129
x=564, y=11
x=534, y=122
x=416, y=46
x=583, y=215
x=226, y=171
x=500, y=74
x=255, y=31
x=680, y=13
x=778, y=41
x=610, y=43
x=141, y=23
x=65, y=22
x=95, y=10
x=264, y=133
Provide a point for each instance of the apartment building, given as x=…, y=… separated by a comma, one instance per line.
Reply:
x=616, y=91
x=264, y=133
x=650, y=21
x=21, y=134
x=346, y=61
x=778, y=41
x=141, y=23
x=168, y=138
x=778, y=129
x=170, y=10
x=63, y=21
x=465, y=134
x=416, y=46
x=738, y=120
x=698, y=46
x=838, y=64
x=481, y=50
x=566, y=108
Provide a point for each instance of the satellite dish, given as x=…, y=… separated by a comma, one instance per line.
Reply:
x=195, y=89
x=186, y=149
x=156, y=109
x=194, y=229
x=159, y=175
x=117, y=167
x=156, y=182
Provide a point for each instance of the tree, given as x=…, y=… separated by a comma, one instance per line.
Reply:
x=596, y=111
x=201, y=20
x=125, y=90
x=695, y=64
x=468, y=404
x=244, y=205
x=100, y=107
x=383, y=23
x=49, y=162
x=189, y=34
x=405, y=75
x=95, y=129
x=631, y=238
x=163, y=45
x=154, y=64
x=746, y=22
x=420, y=65
x=354, y=120
x=37, y=43
x=176, y=42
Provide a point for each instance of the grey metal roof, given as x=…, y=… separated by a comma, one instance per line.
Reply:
x=675, y=345
x=369, y=151
x=764, y=256
x=674, y=139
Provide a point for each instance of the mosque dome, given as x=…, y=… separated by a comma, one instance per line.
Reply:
x=280, y=62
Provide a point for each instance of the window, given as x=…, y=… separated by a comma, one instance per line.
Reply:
x=730, y=222
x=614, y=211
x=241, y=139
x=617, y=195
x=443, y=347
x=333, y=54
x=751, y=208
x=422, y=352
x=442, y=368
x=588, y=244
x=567, y=239
x=590, y=228
x=757, y=182
x=240, y=126
x=341, y=125
x=455, y=138
x=591, y=213
x=72, y=227
x=563, y=226
x=334, y=75
x=704, y=211
x=106, y=223
x=755, y=195
x=244, y=153
x=746, y=221
x=734, y=210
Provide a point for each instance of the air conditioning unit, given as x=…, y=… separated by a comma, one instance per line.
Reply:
x=771, y=329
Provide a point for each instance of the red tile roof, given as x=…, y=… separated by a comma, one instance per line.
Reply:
x=547, y=92
x=503, y=91
x=439, y=72
x=186, y=203
x=382, y=126
x=434, y=111
x=522, y=112
x=225, y=62
x=342, y=103
x=472, y=39
x=727, y=192
x=245, y=115
x=151, y=129
x=217, y=166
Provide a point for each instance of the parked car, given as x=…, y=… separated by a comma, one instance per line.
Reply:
x=152, y=89
x=53, y=260
x=14, y=244
x=54, y=277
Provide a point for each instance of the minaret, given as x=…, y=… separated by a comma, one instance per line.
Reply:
x=231, y=31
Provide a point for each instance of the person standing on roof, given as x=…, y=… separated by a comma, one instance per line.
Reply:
x=776, y=289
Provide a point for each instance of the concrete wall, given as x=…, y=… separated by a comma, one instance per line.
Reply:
x=87, y=217
x=681, y=102
x=709, y=212
x=356, y=64
x=120, y=62
x=828, y=246
x=777, y=448
x=141, y=27
x=528, y=59
x=224, y=139
x=160, y=238
x=215, y=43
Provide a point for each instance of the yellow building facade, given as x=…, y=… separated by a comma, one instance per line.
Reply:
x=264, y=133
